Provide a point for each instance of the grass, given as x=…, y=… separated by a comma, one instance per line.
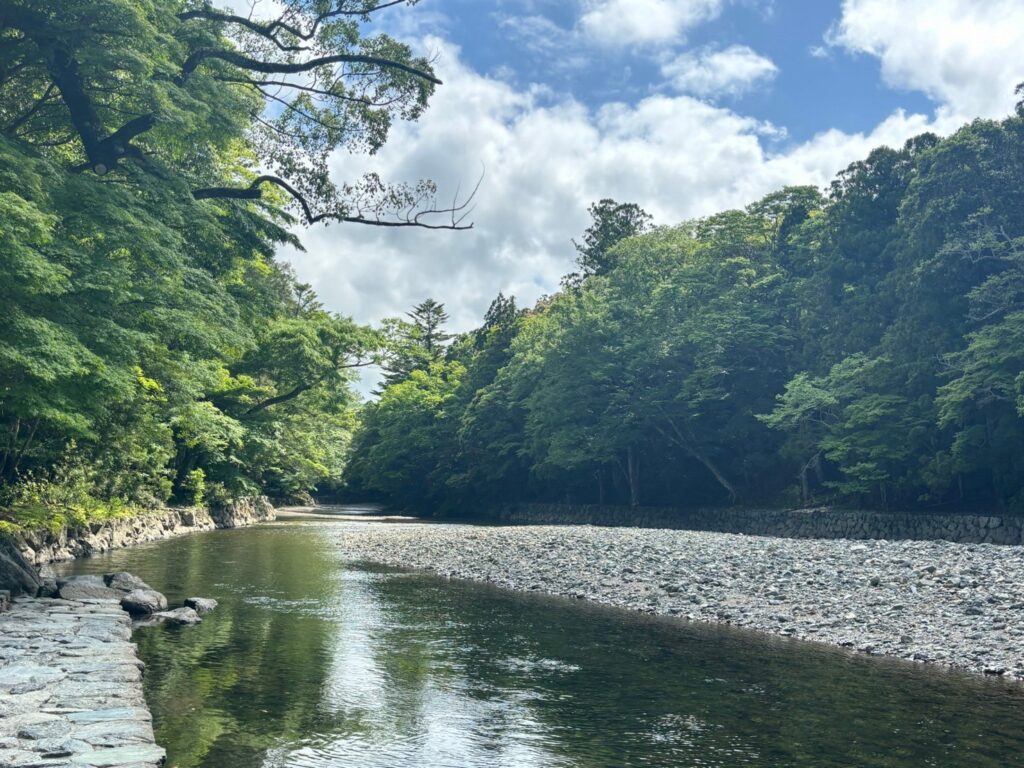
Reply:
x=53, y=515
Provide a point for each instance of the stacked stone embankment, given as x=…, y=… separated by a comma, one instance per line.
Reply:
x=820, y=523
x=71, y=687
x=43, y=546
x=70, y=680
x=960, y=605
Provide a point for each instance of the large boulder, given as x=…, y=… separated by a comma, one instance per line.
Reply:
x=17, y=575
x=141, y=602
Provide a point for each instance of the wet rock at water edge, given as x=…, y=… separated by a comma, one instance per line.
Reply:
x=200, y=604
x=125, y=582
x=141, y=602
x=179, y=616
x=16, y=574
x=86, y=588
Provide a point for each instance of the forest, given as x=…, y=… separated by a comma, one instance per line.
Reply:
x=153, y=158
x=861, y=345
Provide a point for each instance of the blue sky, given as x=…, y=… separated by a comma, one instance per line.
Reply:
x=686, y=107
x=809, y=94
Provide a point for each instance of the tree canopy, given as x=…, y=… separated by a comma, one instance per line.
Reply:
x=154, y=155
x=220, y=106
x=859, y=346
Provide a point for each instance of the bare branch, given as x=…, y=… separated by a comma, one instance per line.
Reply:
x=410, y=218
x=270, y=29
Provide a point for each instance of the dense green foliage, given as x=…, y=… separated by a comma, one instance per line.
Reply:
x=863, y=346
x=150, y=345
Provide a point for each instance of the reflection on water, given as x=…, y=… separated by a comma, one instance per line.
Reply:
x=309, y=661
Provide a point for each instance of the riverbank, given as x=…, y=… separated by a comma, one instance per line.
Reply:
x=71, y=687
x=42, y=547
x=959, y=605
x=813, y=523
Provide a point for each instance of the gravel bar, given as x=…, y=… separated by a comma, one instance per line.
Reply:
x=959, y=605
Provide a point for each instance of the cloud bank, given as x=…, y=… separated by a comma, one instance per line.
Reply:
x=965, y=54
x=546, y=158
x=677, y=153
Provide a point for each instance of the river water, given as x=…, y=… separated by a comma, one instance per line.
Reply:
x=312, y=662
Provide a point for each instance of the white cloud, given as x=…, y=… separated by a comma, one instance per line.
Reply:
x=730, y=71
x=966, y=54
x=546, y=160
x=631, y=22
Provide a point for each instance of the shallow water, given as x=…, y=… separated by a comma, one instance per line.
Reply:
x=311, y=662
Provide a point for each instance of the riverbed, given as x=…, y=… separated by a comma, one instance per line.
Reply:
x=959, y=605
x=314, y=660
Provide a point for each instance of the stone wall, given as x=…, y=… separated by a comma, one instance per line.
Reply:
x=824, y=523
x=41, y=546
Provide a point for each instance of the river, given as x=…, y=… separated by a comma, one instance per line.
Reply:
x=313, y=662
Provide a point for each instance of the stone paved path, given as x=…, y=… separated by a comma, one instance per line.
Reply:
x=71, y=688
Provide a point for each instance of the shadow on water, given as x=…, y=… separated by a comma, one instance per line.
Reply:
x=310, y=661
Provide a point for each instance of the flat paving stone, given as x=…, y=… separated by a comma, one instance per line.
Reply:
x=108, y=715
x=119, y=756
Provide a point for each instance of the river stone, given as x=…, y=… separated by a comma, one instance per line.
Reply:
x=48, y=588
x=125, y=582
x=200, y=604
x=180, y=616
x=85, y=591
x=143, y=601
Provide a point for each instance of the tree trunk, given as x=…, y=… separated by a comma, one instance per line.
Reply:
x=24, y=448
x=689, y=446
x=722, y=480
x=633, y=474
x=805, y=482
x=12, y=443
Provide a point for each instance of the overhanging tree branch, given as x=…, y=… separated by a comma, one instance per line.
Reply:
x=408, y=218
x=301, y=388
x=295, y=67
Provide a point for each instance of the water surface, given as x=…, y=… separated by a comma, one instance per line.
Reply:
x=312, y=662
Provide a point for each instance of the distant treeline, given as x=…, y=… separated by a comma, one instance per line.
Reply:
x=863, y=346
